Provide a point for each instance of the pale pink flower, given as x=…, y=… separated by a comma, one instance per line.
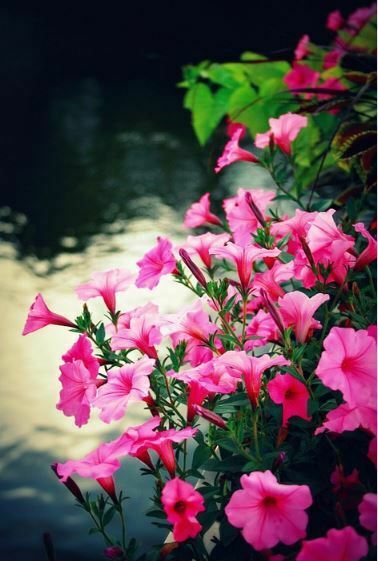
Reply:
x=269, y=512
x=335, y=20
x=199, y=214
x=200, y=245
x=182, y=503
x=98, y=464
x=157, y=262
x=143, y=334
x=348, y=363
x=368, y=514
x=82, y=350
x=337, y=545
x=123, y=321
x=297, y=227
x=233, y=153
x=332, y=58
x=78, y=391
x=270, y=281
x=261, y=329
x=351, y=417
x=325, y=237
x=292, y=394
x=243, y=258
x=125, y=385
x=369, y=254
x=241, y=218
x=106, y=284
x=301, y=76
x=297, y=311
x=39, y=316
x=283, y=131
x=302, y=49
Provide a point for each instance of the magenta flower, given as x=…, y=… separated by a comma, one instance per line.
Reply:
x=302, y=49
x=269, y=512
x=351, y=417
x=232, y=127
x=240, y=216
x=82, y=350
x=233, y=153
x=157, y=262
x=39, y=316
x=372, y=451
x=335, y=20
x=301, y=76
x=369, y=254
x=182, y=503
x=243, y=257
x=337, y=545
x=326, y=238
x=283, y=131
x=201, y=245
x=260, y=330
x=101, y=463
x=297, y=227
x=360, y=17
x=106, y=284
x=143, y=334
x=348, y=363
x=199, y=214
x=297, y=311
x=332, y=58
x=292, y=394
x=125, y=385
x=78, y=391
x=113, y=552
x=270, y=281
x=368, y=514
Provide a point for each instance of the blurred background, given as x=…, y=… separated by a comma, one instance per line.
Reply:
x=97, y=158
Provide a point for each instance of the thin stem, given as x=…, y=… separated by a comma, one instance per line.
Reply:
x=255, y=435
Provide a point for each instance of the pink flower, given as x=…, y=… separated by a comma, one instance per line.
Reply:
x=82, y=350
x=302, y=49
x=270, y=281
x=105, y=284
x=113, y=552
x=351, y=417
x=98, y=464
x=250, y=369
x=283, y=131
x=143, y=334
x=39, y=316
x=297, y=227
x=233, y=153
x=269, y=512
x=233, y=127
x=78, y=391
x=241, y=218
x=243, y=257
x=297, y=311
x=301, y=76
x=182, y=503
x=201, y=245
x=361, y=16
x=261, y=329
x=335, y=20
x=325, y=237
x=123, y=321
x=338, y=545
x=333, y=84
x=332, y=58
x=369, y=254
x=368, y=514
x=292, y=394
x=348, y=363
x=199, y=214
x=157, y=262
x=125, y=385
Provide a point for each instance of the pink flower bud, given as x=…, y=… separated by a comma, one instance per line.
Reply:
x=193, y=267
x=276, y=316
x=70, y=484
x=210, y=416
x=113, y=552
x=255, y=209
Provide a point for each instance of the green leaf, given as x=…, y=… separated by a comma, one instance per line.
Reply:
x=233, y=464
x=201, y=454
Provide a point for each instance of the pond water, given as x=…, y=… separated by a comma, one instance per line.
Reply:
x=111, y=170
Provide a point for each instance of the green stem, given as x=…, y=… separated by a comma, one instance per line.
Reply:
x=255, y=435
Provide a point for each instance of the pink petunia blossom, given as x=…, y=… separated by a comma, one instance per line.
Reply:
x=125, y=385
x=283, y=131
x=333, y=84
x=157, y=262
x=124, y=319
x=200, y=245
x=301, y=76
x=182, y=503
x=82, y=350
x=269, y=512
x=297, y=311
x=302, y=49
x=351, y=417
x=241, y=218
x=360, y=17
x=233, y=127
x=332, y=58
x=260, y=330
x=337, y=545
x=250, y=369
x=105, y=285
x=143, y=334
x=270, y=281
x=369, y=254
x=233, y=153
x=98, y=464
x=39, y=316
x=113, y=552
x=78, y=391
x=297, y=227
x=199, y=214
x=292, y=394
x=335, y=20
x=348, y=363
x=368, y=514
x=243, y=258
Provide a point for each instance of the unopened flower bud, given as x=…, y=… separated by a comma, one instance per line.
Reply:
x=210, y=416
x=107, y=483
x=308, y=252
x=70, y=484
x=273, y=310
x=278, y=461
x=193, y=267
x=255, y=209
x=113, y=552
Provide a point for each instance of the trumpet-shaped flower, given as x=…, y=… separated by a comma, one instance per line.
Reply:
x=283, y=131
x=39, y=316
x=335, y=20
x=297, y=227
x=369, y=254
x=82, y=350
x=297, y=311
x=125, y=385
x=368, y=514
x=302, y=49
x=78, y=391
x=233, y=153
x=261, y=329
x=105, y=285
x=201, y=245
x=292, y=394
x=157, y=262
x=325, y=238
x=199, y=214
x=348, y=363
x=182, y=503
x=98, y=464
x=337, y=545
x=270, y=281
x=143, y=334
x=269, y=512
x=351, y=417
x=301, y=76
x=123, y=321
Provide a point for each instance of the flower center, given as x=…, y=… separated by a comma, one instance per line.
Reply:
x=289, y=394
x=269, y=501
x=180, y=507
x=347, y=364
